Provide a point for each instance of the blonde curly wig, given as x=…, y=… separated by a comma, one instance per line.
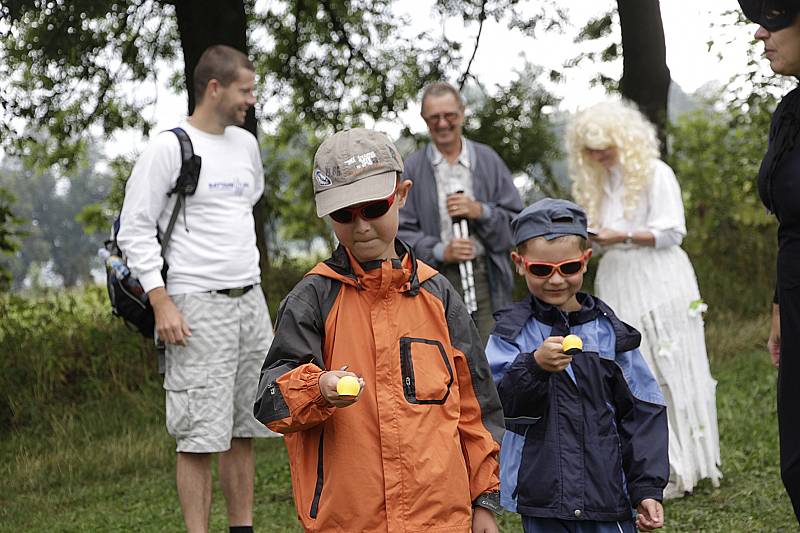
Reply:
x=605, y=125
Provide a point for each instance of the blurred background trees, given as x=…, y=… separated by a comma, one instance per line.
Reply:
x=75, y=74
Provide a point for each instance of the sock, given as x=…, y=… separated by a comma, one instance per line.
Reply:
x=241, y=529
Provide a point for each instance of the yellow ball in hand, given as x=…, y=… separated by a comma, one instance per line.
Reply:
x=571, y=344
x=348, y=386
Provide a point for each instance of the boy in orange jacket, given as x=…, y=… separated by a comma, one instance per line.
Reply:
x=416, y=449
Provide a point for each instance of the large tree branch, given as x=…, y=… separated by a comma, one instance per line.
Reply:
x=344, y=39
x=481, y=19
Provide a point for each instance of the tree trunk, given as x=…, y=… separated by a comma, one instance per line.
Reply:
x=645, y=75
x=205, y=23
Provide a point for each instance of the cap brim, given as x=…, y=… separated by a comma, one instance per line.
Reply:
x=366, y=189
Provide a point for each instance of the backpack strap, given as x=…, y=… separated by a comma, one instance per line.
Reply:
x=186, y=184
x=190, y=166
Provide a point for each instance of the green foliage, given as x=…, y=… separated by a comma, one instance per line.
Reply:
x=516, y=123
x=97, y=217
x=731, y=239
x=335, y=60
x=526, y=17
x=9, y=235
x=52, y=204
x=65, y=67
x=63, y=348
x=600, y=48
x=288, y=155
x=596, y=28
x=284, y=275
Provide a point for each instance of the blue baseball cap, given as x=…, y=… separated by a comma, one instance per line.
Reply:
x=549, y=218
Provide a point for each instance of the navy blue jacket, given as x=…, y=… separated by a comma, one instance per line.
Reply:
x=586, y=443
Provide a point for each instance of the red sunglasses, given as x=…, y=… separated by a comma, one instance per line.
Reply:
x=367, y=211
x=570, y=267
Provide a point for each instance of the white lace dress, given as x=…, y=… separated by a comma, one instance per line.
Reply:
x=655, y=290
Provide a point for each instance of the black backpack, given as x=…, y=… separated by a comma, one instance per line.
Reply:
x=128, y=299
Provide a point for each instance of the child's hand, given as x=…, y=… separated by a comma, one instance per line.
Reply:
x=550, y=356
x=327, y=387
x=650, y=515
x=483, y=521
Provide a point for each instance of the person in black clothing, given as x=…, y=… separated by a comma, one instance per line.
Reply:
x=779, y=188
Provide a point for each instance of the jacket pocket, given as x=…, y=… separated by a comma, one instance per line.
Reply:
x=426, y=371
x=605, y=487
x=320, y=479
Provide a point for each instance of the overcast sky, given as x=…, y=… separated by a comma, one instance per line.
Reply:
x=688, y=26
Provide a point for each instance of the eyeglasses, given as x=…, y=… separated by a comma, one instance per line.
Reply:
x=367, y=211
x=570, y=267
x=450, y=117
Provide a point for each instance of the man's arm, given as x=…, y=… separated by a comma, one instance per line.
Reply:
x=410, y=231
x=494, y=226
x=153, y=176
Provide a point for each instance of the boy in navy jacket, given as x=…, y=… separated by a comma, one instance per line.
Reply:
x=586, y=439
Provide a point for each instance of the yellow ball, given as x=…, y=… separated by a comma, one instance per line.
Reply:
x=348, y=386
x=572, y=344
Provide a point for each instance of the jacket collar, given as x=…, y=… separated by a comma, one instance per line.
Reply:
x=465, y=157
x=344, y=267
x=512, y=319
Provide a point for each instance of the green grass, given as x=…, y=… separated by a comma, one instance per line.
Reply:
x=109, y=465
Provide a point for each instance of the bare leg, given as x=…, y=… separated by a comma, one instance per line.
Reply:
x=193, y=476
x=236, y=477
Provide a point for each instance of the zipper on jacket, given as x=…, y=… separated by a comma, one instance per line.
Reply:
x=318, y=488
x=408, y=372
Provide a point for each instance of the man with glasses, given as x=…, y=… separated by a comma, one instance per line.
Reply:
x=458, y=179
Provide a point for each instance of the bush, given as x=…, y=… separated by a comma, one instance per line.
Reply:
x=282, y=276
x=62, y=348
x=731, y=239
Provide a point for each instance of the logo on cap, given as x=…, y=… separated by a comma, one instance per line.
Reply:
x=322, y=179
x=363, y=160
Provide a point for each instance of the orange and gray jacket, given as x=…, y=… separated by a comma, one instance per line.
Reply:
x=421, y=445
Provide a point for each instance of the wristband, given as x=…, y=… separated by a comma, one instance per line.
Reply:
x=490, y=501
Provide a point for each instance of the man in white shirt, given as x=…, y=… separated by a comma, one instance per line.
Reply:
x=212, y=313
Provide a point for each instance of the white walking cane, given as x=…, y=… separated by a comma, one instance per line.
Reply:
x=461, y=231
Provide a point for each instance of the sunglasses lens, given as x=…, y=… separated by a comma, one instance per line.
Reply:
x=573, y=267
x=342, y=216
x=375, y=209
x=539, y=270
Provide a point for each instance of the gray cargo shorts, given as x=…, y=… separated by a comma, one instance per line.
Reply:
x=211, y=383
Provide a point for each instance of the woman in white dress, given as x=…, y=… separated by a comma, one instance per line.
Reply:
x=635, y=209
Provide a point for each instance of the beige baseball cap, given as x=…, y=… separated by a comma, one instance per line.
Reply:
x=352, y=167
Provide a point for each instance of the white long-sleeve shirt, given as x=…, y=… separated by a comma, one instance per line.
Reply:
x=213, y=244
x=658, y=210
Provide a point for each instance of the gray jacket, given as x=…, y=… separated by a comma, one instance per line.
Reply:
x=492, y=185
